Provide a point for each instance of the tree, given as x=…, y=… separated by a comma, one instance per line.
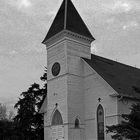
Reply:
x=6, y=123
x=29, y=120
x=11, y=115
x=130, y=126
x=3, y=112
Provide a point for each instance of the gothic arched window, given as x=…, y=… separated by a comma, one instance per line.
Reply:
x=100, y=122
x=57, y=118
x=77, y=123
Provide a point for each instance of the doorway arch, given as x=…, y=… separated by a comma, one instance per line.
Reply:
x=57, y=118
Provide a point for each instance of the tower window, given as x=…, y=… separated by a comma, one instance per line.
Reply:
x=57, y=118
x=77, y=123
x=100, y=122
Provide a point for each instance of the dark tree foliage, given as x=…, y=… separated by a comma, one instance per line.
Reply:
x=6, y=129
x=29, y=122
x=130, y=126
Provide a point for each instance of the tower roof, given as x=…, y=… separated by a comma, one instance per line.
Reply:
x=69, y=19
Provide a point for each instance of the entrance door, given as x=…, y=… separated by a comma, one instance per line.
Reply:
x=57, y=132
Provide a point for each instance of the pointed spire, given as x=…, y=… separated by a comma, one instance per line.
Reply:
x=69, y=19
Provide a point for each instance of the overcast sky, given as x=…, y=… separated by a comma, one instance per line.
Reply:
x=115, y=24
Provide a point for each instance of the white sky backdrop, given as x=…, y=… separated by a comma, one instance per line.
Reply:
x=24, y=23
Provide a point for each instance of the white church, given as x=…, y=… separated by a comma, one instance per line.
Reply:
x=86, y=92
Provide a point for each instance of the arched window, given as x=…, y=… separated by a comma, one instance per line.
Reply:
x=57, y=118
x=100, y=122
x=76, y=123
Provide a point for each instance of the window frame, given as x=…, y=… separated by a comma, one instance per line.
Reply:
x=100, y=123
x=77, y=123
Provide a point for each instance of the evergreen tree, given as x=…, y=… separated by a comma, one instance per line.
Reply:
x=29, y=122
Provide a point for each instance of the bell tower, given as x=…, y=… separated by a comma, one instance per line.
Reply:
x=67, y=40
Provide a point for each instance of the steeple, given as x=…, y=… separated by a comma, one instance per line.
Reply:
x=68, y=19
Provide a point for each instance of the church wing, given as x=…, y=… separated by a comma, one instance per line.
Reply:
x=122, y=78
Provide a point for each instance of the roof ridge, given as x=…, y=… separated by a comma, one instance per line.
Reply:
x=65, y=18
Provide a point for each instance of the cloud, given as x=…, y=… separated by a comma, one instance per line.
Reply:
x=113, y=15
x=13, y=52
x=131, y=24
x=52, y=13
x=32, y=49
x=34, y=7
x=24, y=3
x=20, y=3
x=118, y=23
x=121, y=6
x=110, y=20
x=94, y=49
x=111, y=6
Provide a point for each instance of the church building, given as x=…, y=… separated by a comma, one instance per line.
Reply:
x=86, y=92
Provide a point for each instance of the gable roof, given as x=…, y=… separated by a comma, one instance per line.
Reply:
x=122, y=78
x=69, y=19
